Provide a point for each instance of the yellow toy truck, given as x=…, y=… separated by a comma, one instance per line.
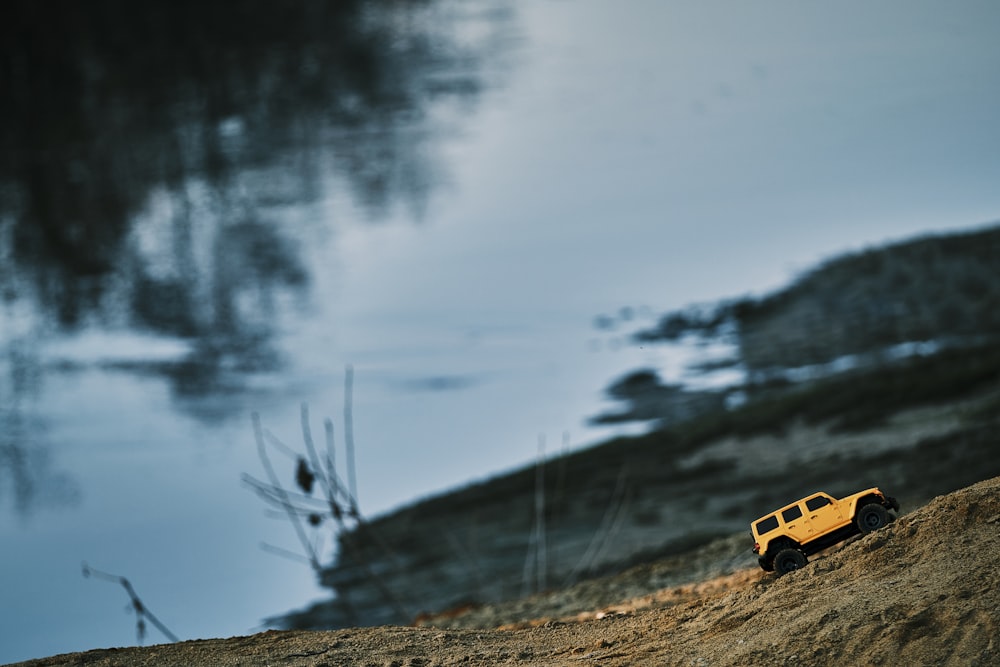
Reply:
x=784, y=539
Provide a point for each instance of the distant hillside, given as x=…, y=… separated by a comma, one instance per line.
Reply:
x=942, y=288
x=867, y=308
x=918, y=425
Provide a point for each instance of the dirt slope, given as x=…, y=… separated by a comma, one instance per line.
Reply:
x=923, y=591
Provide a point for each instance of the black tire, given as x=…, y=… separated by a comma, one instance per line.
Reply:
x=788, y=560
x=871, y=517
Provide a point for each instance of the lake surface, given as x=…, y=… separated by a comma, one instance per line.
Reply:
x=197, y=227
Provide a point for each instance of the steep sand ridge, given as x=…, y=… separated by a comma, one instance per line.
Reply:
x=923, y=591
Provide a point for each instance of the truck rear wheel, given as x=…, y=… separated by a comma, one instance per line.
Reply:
x=871, y=517
x=789, y=559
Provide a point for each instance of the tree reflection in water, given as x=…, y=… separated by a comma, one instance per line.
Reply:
x=150, y=150
x=28, y=479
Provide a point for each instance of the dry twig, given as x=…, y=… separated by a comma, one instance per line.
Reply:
x=142, y=612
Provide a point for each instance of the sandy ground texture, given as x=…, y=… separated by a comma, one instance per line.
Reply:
x=923, y=591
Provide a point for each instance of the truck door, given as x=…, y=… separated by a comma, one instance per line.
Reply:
x=796, y=525
x=823, y=514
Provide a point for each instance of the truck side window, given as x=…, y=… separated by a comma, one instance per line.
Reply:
x=767, y=525
x=791, y=514
x=817, y=502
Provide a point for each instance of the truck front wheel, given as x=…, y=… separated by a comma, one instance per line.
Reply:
x=871, y=517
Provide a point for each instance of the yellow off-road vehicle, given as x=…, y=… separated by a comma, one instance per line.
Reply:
x=784, y=539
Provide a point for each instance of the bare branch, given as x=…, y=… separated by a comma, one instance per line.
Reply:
x=284, y=553
x=277, y=496
x=317, y=469
x=331, y=469
x=141, y=611
x=283, y=495
x=296, y=506
x=352, y=481
x=275, y=442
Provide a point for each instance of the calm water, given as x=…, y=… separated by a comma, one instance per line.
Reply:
x=195, y=228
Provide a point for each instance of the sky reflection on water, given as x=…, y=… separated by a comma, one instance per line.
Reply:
x=512, y=175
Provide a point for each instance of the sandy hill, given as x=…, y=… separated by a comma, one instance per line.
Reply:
x=923, y=591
